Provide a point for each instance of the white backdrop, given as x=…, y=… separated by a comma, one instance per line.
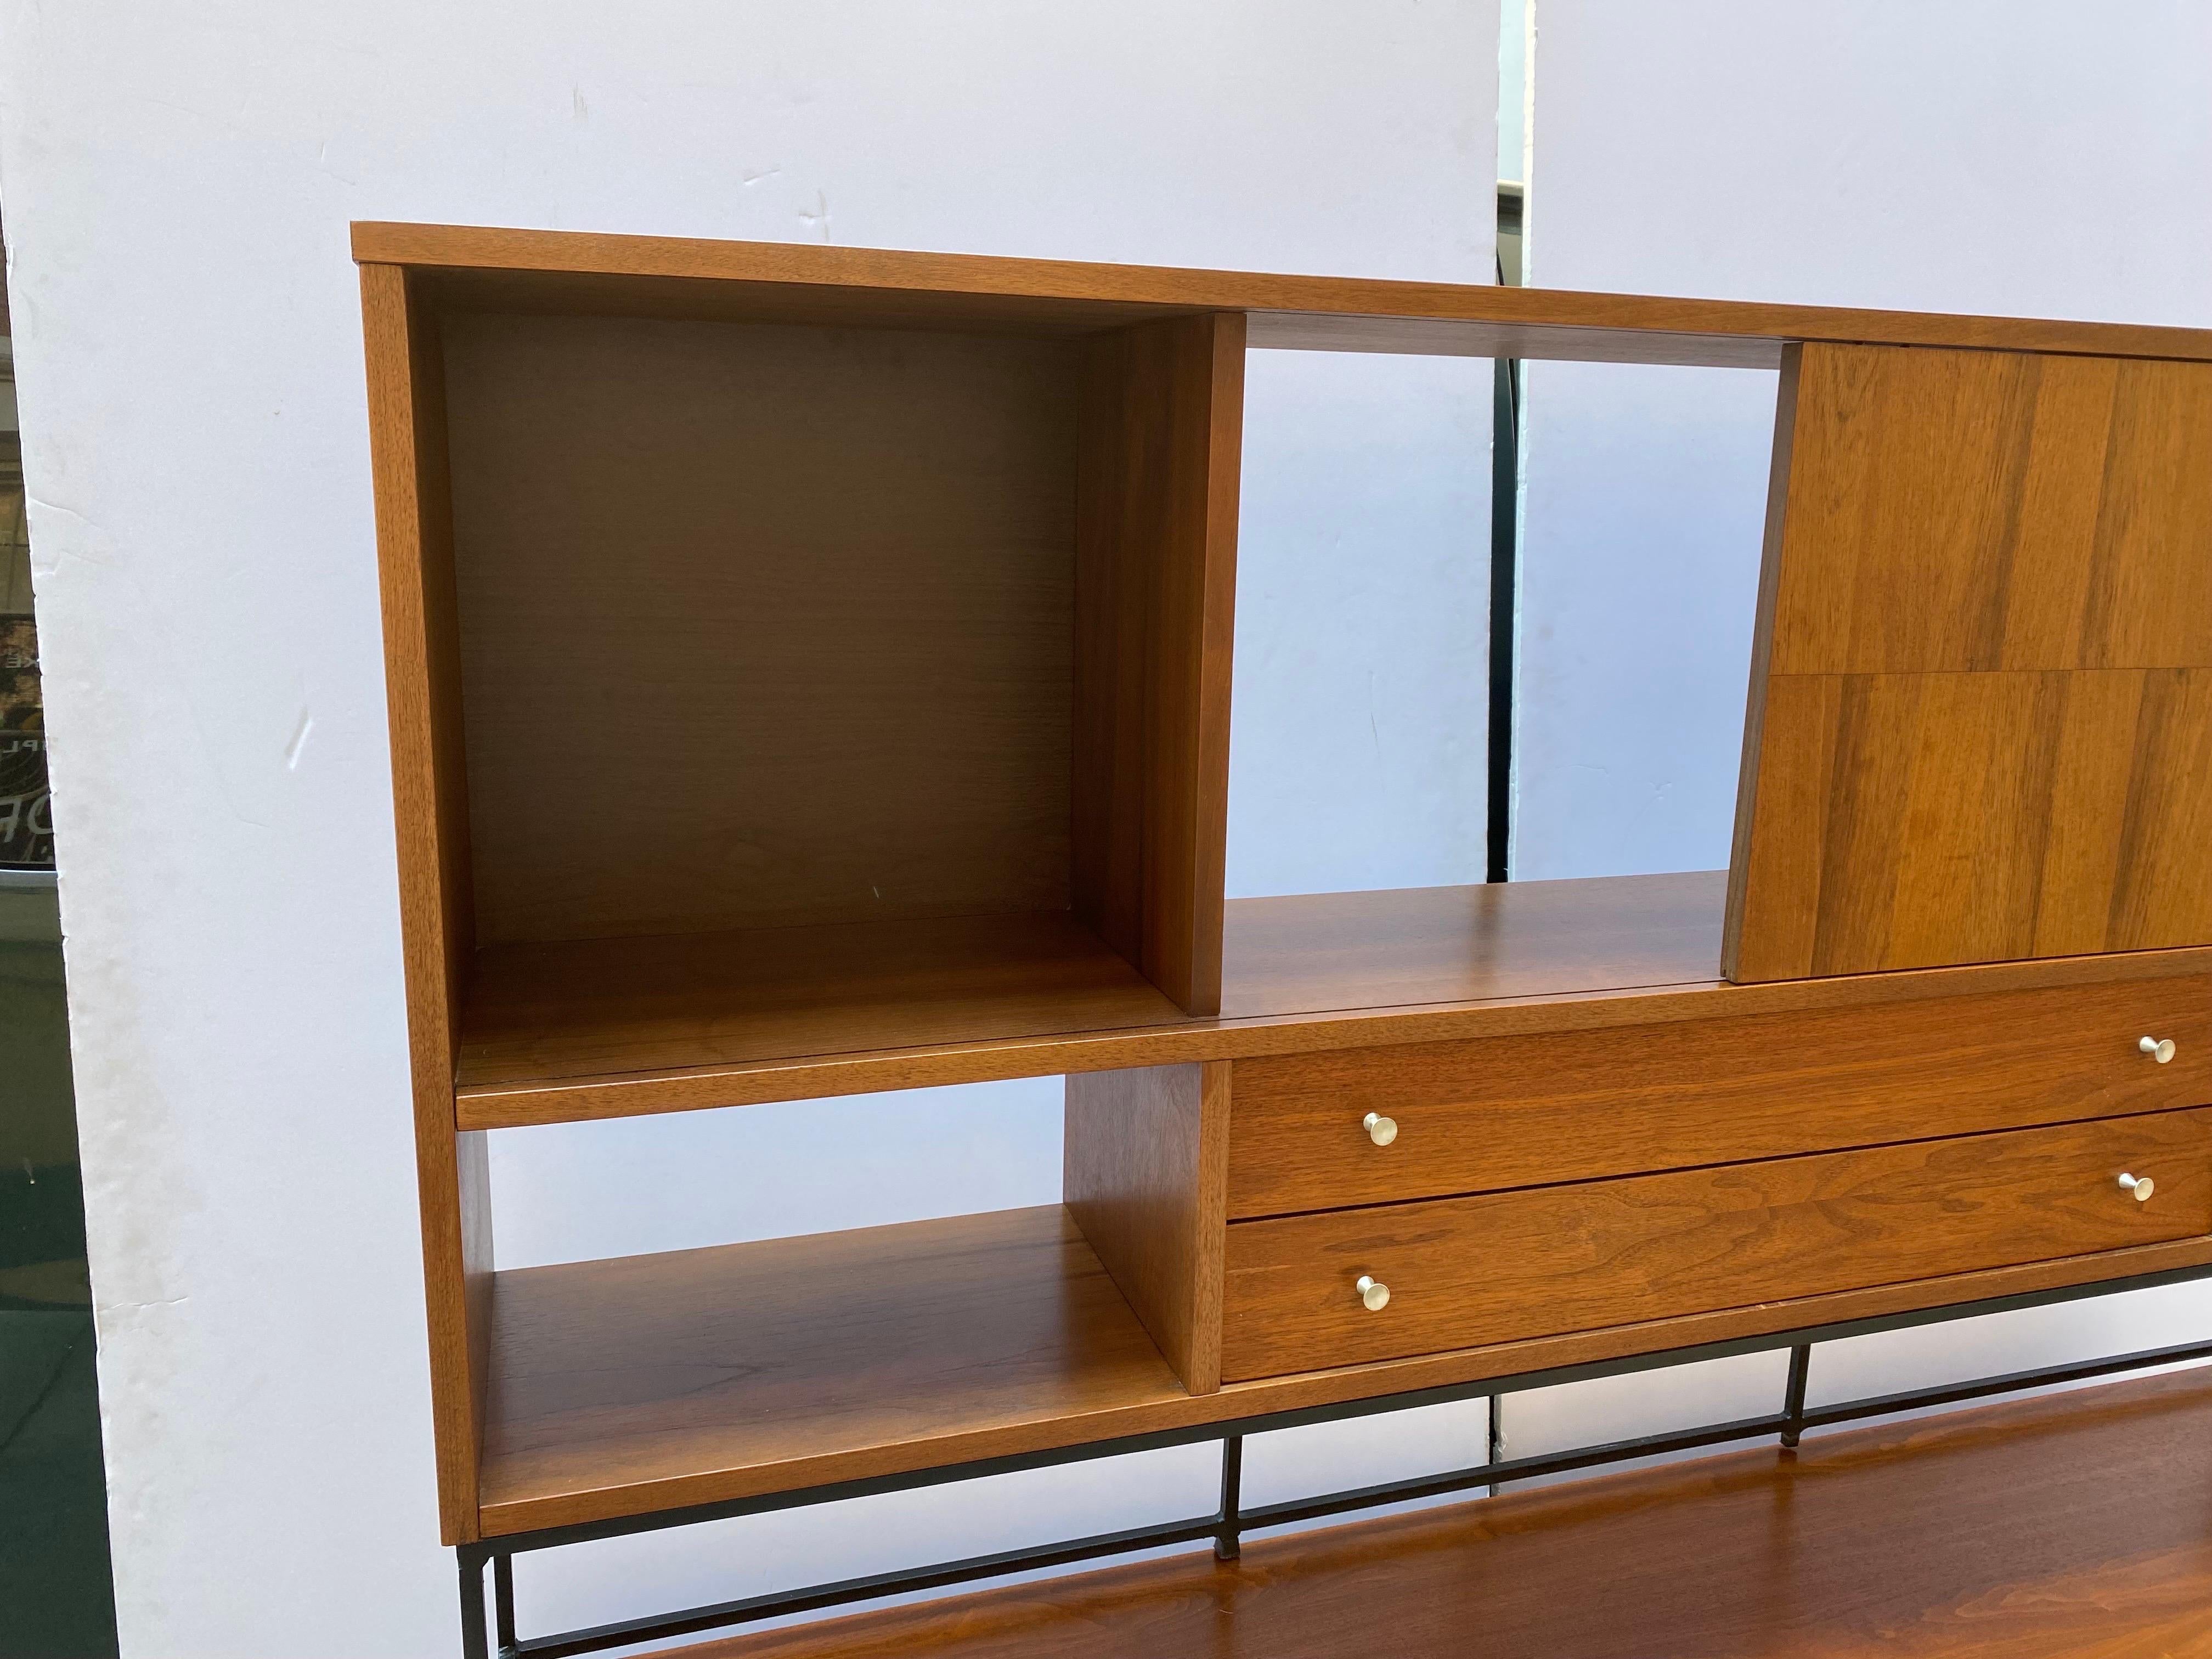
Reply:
x=2028, y=157
x=176, y=184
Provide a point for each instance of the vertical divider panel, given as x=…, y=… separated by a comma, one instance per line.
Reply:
x=1146, y=1179
x=1161, y=446
x=429, y=792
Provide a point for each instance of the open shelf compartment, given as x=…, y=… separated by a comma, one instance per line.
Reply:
x=790, y=659
x=594, y=1027
x=649, y=1382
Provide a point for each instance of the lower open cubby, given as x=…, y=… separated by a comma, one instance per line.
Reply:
x=650, y=1382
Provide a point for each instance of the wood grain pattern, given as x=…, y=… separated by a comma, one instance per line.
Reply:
x=1521, y=1111
x=1144, y=1162
x=497, y=269
x=884, y=1348
x=1955, y=511
x=2065, y=1527
x=1155, y=572
x=1982, y=700
x=603, y=1007
x=634, y=1382
x=595, y=1007
x=1316, y=953
x=430, y=819
x=609, y=1029
x=762, y=626
x=1590, y=1254
x=1910, y=821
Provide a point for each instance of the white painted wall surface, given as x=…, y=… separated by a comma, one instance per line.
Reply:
x=2037, y=158
x=176, y=184
x=1358, y=750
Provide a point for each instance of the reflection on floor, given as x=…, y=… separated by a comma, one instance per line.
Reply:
x=2076, y=1525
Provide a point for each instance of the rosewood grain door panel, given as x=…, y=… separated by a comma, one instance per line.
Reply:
x=1465, y=1271
x=1490, y=1112
x=1981, y=713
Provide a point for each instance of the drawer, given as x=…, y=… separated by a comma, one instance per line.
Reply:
x=1516, y=1111
x=1499, y=1266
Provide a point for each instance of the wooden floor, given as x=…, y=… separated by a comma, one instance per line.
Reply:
x=2079, y=1525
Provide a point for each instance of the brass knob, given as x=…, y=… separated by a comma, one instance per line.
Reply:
x=2141, y=1186
x=1380, y=1129
x=1374, y=1294
x=2158, y=1048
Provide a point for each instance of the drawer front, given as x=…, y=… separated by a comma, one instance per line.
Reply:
x=1516, y=1111
x=1499, y=1266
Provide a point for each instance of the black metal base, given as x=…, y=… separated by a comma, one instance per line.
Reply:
x=1225, y=1528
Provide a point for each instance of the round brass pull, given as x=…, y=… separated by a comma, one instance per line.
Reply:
x=1374, y=1294
x=2141, y=1186
x=2158, y=1048
x=1380, y=1129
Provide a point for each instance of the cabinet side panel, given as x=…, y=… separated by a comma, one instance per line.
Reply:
x=1205, y=616
x=1982, y=727
x=1146, y=1179
x=1162, y=446
x=430, y=820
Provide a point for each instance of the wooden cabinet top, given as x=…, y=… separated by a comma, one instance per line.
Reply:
x=475, y=267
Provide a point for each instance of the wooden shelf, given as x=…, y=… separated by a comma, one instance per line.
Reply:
x=627, y=1016
x=1333, y=953
x=647, y=1382
x=596, y=1007
x=693, y=1377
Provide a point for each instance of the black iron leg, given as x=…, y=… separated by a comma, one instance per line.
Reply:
x=1793, y=1402
x=502, y=1600
x=1494, y=1447
x=475, y=1642
x=1228, y=1544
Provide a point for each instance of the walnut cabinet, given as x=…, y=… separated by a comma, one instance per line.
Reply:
x=810, y=673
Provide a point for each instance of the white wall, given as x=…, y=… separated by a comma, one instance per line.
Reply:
x=1359, y=750
x=2041, y=158
x=176, y=184
x=1514, y=21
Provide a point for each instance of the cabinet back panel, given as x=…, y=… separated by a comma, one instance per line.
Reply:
x=761, y=625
